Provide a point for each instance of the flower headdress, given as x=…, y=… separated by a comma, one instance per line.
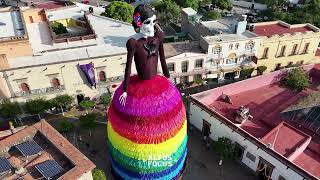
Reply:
x=137, y=19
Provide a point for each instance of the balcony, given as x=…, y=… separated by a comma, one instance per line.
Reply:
x=108, y=81
x=189, y=73
x=41, y=91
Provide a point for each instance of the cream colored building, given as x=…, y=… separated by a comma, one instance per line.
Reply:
x=284, y=45
x=53, y=68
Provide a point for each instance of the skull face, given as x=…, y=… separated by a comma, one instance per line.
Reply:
x=147, y=27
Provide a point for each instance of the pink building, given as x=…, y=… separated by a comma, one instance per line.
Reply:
x=276, y=131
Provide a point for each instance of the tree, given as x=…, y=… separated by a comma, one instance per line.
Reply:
x=36, y=106
x=106, y=100
x=119, y=10
x=58, y=28
x=223, y=4
x=246, y=72
x=211, y=15
x=65, y=126
x=87, y=104
x=88, y=121
x=98, y=174
x=167, y=11
x=261, y=69
x=224, y=148
x=194, y=4
x=9, y=109
x=296, y=79
x=198, y=81
x=62, y=101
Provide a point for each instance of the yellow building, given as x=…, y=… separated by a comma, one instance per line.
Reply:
x=284, y=45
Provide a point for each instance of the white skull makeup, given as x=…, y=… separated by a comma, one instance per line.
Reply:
x=147, y=27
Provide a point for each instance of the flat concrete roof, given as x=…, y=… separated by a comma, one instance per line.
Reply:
x=111, y=39
x=229, y=37
x=11, y=24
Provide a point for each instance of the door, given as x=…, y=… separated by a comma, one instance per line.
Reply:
x=80, y=98
x=31, y=19
x=238, y=152
x=206, y=128
x=264, y=169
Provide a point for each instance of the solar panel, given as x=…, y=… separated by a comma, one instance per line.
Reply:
x=5, y=165
x=29, y=148
x=49, y=169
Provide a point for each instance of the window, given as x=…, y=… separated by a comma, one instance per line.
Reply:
x=294, y=49
x=184, y=66
x=217, y=50
x=237, y=46
x=306, y=47
x=251, y=157
x=170, y=66
x=25, y=87
x=231, y=61
x=199, y=63
x=230, y=46
x=31, y=19
x=55, y=83
x=278, y=66
x=249, y=45
x=301, y=62
x=102, y=76
x=265, y=53
x=282, y=51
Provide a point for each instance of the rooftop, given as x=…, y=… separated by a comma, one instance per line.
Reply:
x=217, y=27
x=189, y=11
x=269, y=99
x=11, y=24
x=50, y=5
x=53, y=146
x=280, y=28
x=229, y=37
x=174, y=49
x=111, y=39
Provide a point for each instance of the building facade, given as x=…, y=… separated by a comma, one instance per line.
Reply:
x=284, y=45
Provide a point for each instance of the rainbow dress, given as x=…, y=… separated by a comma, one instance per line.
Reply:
x=147, y=138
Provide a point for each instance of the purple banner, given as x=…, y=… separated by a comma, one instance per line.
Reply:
x=88, y=70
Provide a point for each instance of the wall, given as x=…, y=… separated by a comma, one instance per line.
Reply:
x=16, y=48
x=275, y=43
x=69, y=75
x=248, y=5
x=219, y=129
x=38, y=15
x=86, y=176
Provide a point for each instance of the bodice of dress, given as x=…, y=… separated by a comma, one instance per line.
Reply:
x=145, y=52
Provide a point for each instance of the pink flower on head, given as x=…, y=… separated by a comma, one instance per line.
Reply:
x=137, y=19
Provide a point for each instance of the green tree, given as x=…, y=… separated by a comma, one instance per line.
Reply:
x=9, y=109
x=65, y=126
x=119, y=10
x=246, y=72
x=88, y=121
x=261, y=69
x=62, y=101
x=211, y=15
x=297, y=79
x=194, y=4
x=198, y=81
x=224, y=148
x=106, y=100
x=223, y=4
x=98, y=174
x=36, y=106
x=58, y=28
x=167, y=11
x=87, y=104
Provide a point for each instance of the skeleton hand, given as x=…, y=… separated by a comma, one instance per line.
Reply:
x=123, y=98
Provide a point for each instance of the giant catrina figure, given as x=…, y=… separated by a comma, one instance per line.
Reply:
x=147, y=128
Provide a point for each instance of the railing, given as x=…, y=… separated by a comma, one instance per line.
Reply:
x=108, y=81
x=40, y=91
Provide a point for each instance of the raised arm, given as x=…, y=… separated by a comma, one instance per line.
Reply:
x=131, y=44
x=164, y=66
x=131, y=48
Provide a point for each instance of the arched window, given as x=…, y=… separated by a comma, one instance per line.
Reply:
x=249, y=45
x=102, y=76
x=55, y=83
x=25, y=87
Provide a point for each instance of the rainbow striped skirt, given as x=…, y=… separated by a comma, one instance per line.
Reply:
x=147, y=138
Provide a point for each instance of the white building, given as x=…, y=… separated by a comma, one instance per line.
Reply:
x=271, y=135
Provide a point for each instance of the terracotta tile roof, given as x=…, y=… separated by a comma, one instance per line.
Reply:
x=278, y=29
x=81, y=163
